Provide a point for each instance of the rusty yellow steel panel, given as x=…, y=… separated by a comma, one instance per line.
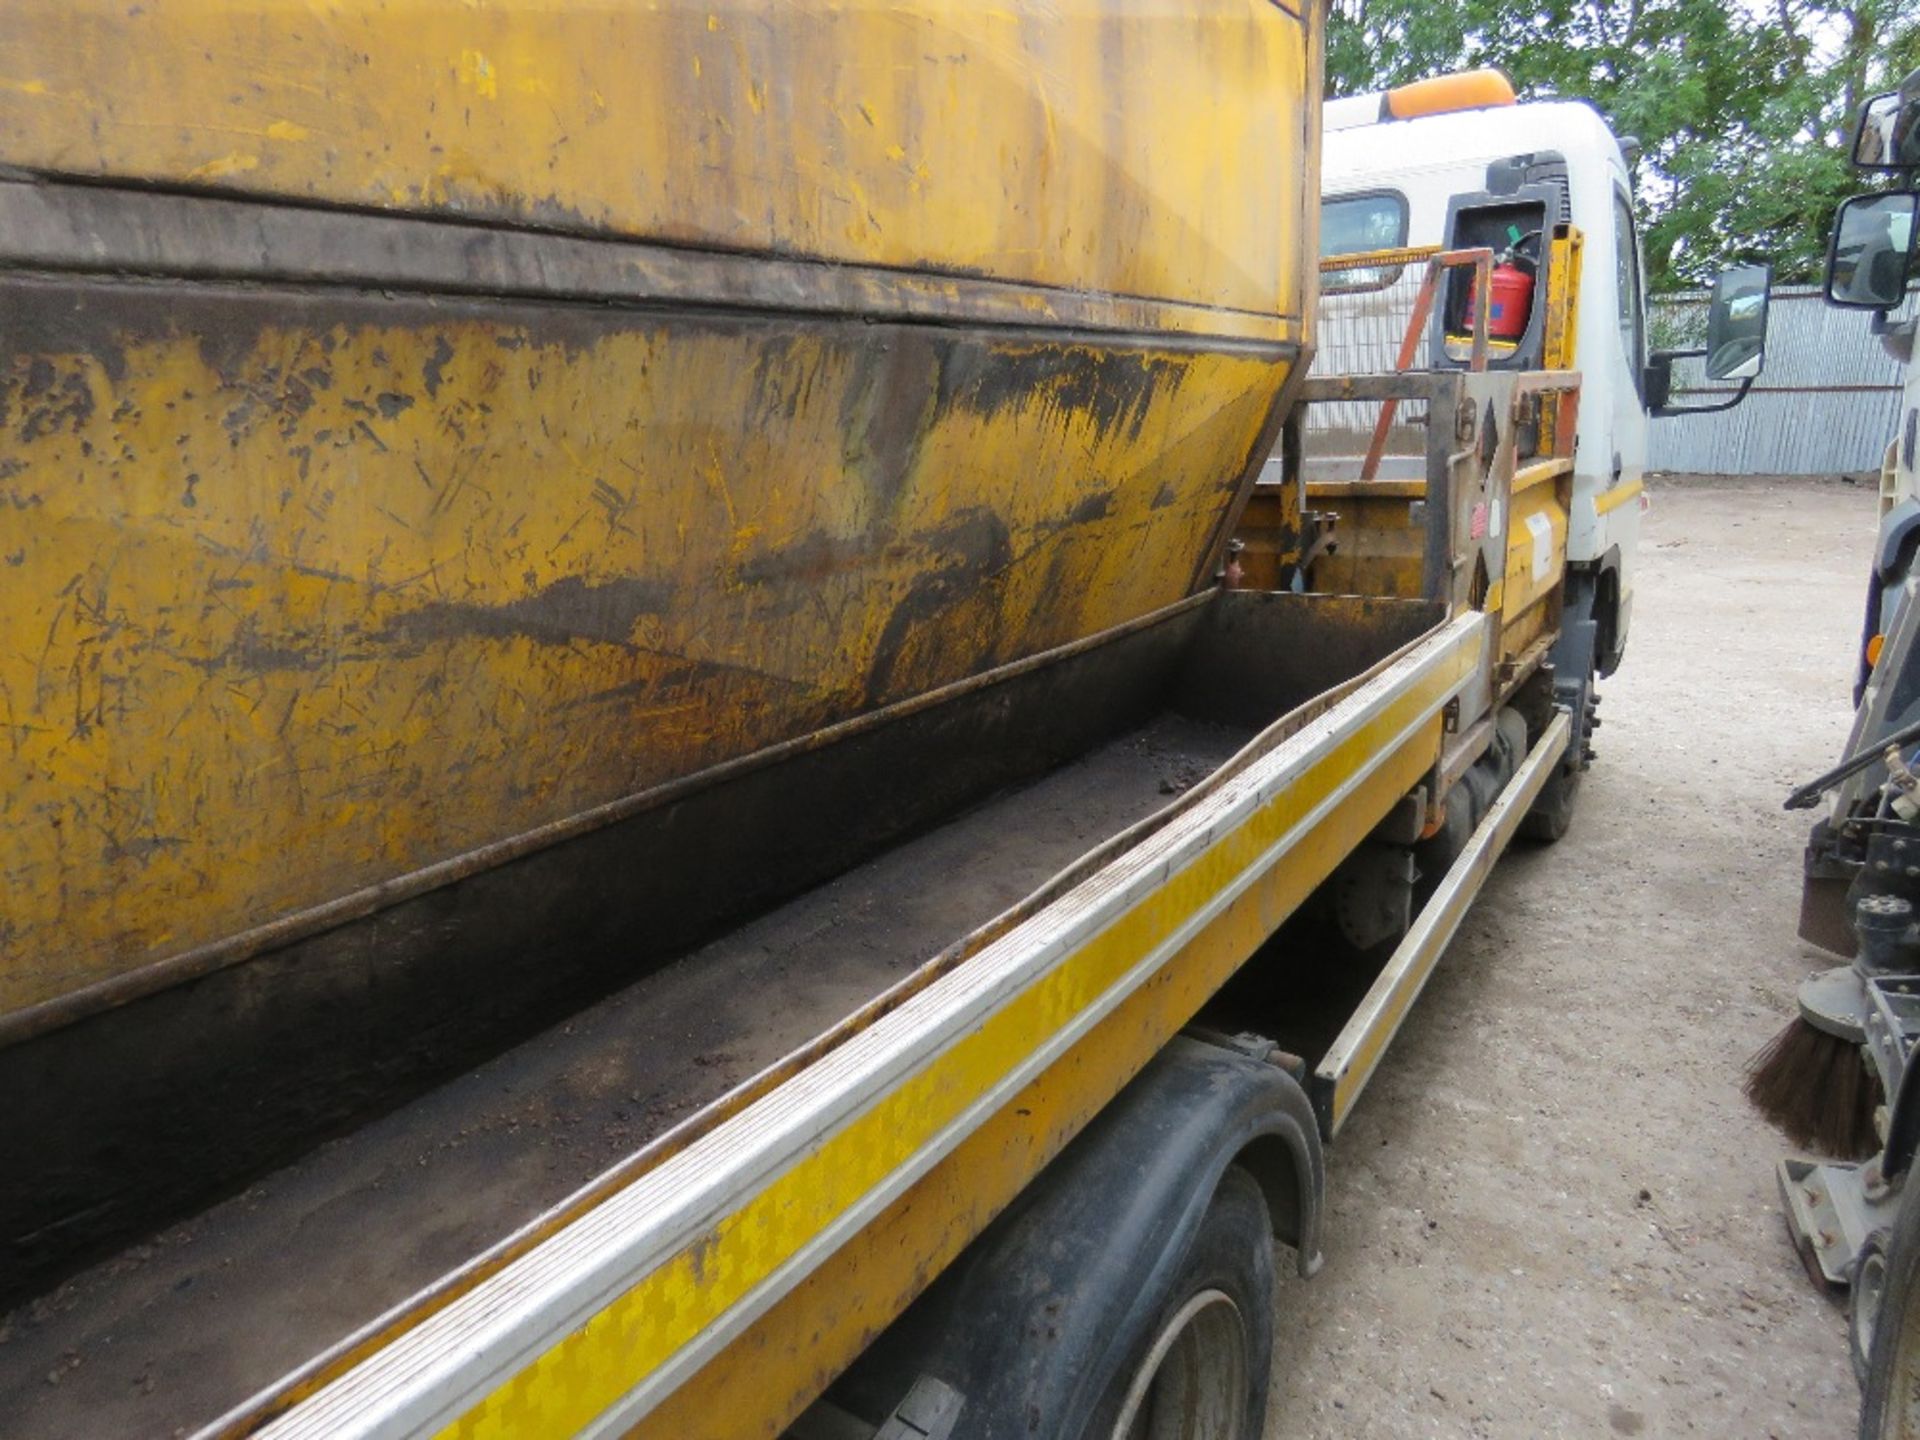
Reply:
x=1536, y=548
x=1382, y=538
x=438, y=438
x=1156, y=151
x=308, y=593
x=314, y=587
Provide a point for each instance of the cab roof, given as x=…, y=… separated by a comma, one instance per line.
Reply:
x=1355, y=155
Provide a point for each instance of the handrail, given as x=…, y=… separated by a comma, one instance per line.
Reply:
x=1481, y=259
x=1377, y=259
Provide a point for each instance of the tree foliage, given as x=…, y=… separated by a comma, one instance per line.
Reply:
x=1743, y=108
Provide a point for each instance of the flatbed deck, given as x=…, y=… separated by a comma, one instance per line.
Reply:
x=165, y=1336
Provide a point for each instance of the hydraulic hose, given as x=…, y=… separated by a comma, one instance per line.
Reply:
x=1808, y=795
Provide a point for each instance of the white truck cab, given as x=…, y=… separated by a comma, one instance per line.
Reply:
x=1455, y=162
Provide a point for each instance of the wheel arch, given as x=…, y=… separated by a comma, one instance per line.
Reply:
x=1598, y=586
x=1290, y=1187
x=1899, y=538
x=1109, y=1224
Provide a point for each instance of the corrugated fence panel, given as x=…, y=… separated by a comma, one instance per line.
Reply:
x=1826, y=405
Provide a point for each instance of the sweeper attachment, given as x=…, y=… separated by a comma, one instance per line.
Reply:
x=1841, y=1079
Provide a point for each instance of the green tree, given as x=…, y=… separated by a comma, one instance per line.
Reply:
x=1743, y=108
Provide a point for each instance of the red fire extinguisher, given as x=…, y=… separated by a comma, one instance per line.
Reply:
x=1510, y=292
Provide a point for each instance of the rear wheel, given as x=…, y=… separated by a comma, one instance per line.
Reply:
x=1552, y=812
x=1193, y=1384
x=1199, y=1371
x=1577, y=657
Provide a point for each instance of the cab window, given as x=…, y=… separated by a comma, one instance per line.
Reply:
x=1626, y=252
x=1355, y=224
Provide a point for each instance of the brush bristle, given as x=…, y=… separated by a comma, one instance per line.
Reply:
x=1819, y=1089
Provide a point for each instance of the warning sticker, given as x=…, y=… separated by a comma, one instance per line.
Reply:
x=1541, y=529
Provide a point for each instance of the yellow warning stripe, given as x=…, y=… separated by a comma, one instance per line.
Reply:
x=1617, y=496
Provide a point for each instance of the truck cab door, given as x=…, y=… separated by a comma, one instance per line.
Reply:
x=1626, y=365
x=1611, y=457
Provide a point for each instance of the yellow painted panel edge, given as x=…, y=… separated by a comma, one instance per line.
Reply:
x=1539, y=472
x=1367, y=489
x=1616, y=497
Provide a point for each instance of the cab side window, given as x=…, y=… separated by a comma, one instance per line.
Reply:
x=1373, y=220
x=1626, y=259
x=1355, y=224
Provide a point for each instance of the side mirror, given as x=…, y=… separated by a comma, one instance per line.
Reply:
x=1736, y=347
x=1737, y=323
x=1887, y=136
x=1867, y=259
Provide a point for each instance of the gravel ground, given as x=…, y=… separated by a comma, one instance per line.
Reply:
x=1554, y=1213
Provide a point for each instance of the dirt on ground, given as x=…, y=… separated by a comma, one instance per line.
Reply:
x=1554, y=1212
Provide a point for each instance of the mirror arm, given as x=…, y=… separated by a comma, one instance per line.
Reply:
x=1661, y=412
x=1896, y=338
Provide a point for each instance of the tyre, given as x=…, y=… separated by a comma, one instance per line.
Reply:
x=1129, y=1290
x=1552, y=812
x=1864, y=1294
x=1434, y=856
x=1576, y=655
x=1199, y=1370
x=1890, y=1409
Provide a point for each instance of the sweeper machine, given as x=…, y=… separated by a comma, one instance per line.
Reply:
x=1841, y=1079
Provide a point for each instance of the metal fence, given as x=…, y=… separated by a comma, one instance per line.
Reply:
x=1827, y=403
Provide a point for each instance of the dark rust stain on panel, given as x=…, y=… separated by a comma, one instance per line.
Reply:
x=568, y=610
x=949, y=606
x=1113, y=387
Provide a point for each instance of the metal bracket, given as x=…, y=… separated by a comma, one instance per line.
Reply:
x=1893, y=1023
x=1254, y=1047
x=931, y=1411
x=1831, y=1210
x=1466, y=422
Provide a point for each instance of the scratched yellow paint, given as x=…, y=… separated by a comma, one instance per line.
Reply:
x=309, y=592
x=295, y=608
x=1144, y=150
